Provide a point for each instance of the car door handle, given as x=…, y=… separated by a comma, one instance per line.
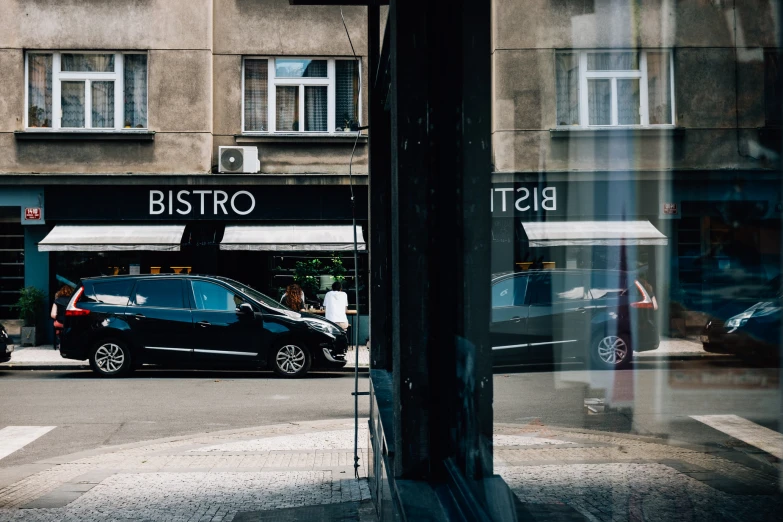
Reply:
x=516, y=319
x=138, y=316
x=203, y=324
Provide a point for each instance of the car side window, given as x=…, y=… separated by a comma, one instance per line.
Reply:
x=568, y=287
x=159, y=293
x=520, y=290
x=209, y=296
x=112, y=292
x=503, y=293
x=608, y=285
x=540, y=289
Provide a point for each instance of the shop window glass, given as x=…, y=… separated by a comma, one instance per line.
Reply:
x=113, y=293
x=210, y=296
x=159, y=293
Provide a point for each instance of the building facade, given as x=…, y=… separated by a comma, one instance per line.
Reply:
x=111, y=120
x=640, y=136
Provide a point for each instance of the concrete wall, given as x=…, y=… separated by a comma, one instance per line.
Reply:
x=715, y=86
x=194, y=98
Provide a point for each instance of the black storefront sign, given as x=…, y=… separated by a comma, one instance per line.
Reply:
x=217, y=203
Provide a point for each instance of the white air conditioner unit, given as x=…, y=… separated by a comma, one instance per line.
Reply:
x=238, y=160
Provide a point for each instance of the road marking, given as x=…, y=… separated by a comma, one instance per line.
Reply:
x=13, y=438
x=749, y=432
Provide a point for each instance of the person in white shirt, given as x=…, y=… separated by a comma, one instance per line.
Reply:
x=336, y=304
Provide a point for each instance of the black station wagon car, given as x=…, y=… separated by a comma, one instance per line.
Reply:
x=551, y=315
x=121, y=322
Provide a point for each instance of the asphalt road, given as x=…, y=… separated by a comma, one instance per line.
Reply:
x=653, y=399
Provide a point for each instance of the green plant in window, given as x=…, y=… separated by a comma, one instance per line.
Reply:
x=35, y=117
x=337, y=270
x=306, y=275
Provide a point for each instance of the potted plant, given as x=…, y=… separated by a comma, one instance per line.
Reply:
x=306, y=275
x=31, y=311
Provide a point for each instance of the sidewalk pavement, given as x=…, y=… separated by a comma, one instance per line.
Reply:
x=265, y=473
x=46, y=358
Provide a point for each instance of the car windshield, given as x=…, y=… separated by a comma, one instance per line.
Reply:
x=255, y=294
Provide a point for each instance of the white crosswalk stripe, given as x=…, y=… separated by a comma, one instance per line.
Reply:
x=13, y=438
x=749, y=432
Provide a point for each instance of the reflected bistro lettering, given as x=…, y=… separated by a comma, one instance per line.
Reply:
x=523, y=199
x=202, y=202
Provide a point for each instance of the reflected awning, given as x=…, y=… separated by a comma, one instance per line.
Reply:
x=291, y=238
x=111, y=238
x=601, y=233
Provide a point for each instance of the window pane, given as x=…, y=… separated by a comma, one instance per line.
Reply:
x=346, y=93
x=87, y=62
x=503, y=293
x=628, y=102
x=599, y=101
x=567, y=66
x=315, y=109
x=568, y=287
x=659, y=88
x=39, y=94
x=287, y=109
x=135, y=75
x=256, y=95
x=159, y=293
x=113, y=293
x=210, y=296
x=72, y=104
x=299, y=68
x=102, y=104
x=628, y=61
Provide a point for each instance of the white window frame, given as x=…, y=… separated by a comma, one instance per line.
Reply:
x=58, y=76
x=613, y=76
x=273, y=82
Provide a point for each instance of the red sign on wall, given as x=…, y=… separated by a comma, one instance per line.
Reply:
x=670, y=208
x=32, y=213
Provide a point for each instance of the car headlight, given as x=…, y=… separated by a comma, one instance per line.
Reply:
x=738, y=320
x=323, y=326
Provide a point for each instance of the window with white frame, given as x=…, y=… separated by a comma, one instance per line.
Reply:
x=614, y=88
x=286, y=95
x=86, y=90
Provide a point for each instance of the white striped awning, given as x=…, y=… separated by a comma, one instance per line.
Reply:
x=111, y=238
x=602, y=233
x=291, y=238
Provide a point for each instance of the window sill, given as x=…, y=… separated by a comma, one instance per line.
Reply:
x=339, y=137
x=59, y=135
x=615, y=132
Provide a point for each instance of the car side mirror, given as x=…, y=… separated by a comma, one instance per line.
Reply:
x=245, y=309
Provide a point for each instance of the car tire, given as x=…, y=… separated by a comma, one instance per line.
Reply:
x=111, y=358
x=291, y=360
x=611, y=351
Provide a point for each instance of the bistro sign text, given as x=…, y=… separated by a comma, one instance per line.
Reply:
x=201, y=202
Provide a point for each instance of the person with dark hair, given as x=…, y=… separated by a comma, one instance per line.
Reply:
x=336, y=304
x=293, y=297
x=61, y=300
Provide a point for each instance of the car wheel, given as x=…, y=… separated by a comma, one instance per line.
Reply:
x=111, y=358
x=291, y=360
x=610, y=351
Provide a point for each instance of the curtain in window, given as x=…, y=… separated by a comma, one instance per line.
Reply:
x=613, y=61
x=315, y=108
x=567, y=66
x=256, y=95
x=628, y=102
x=39, y=93
x=346, y=93
x=599, y=102
x=135, y=80
x=72, y=99
x=659, y=91
x=87, y=62
x=102, y=104
x=287, y=113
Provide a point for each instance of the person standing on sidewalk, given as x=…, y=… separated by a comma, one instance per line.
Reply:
x=61, y=300
x=336, y=304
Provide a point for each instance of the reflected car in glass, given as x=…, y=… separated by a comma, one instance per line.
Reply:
x=119, y=323
x=601, y=316
x=748, y=327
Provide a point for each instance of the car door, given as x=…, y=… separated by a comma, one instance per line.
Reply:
x=508, y=330
x=557, y=317
x=224, y=335
x=160, y=320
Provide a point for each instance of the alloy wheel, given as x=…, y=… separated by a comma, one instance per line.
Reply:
x=109, y=357
x=290, y=359
x=612, y=350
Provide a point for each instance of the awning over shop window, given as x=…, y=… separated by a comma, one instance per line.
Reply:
x=291, y=238
x=111, y=238
x=598, y=233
